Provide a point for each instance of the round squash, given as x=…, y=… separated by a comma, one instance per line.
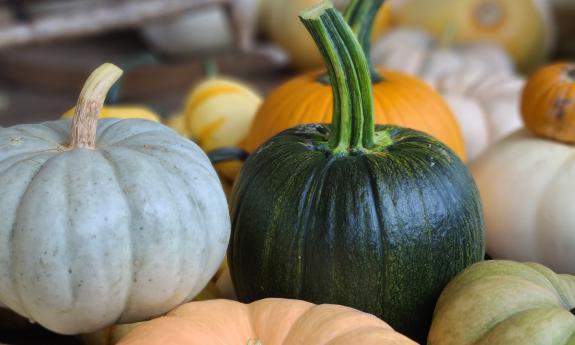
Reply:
x=378, y=218
x=122, y=111
x=548, y=105
x=399, y=99
x=526, y=179
x=476, y=79
x=218, y=113
x=524, y=28
x=279, y=22
x=525, y=184
x=505, y=303
x=271, y=322
x=105, y=221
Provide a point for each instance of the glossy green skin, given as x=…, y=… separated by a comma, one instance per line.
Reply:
x=382, y=232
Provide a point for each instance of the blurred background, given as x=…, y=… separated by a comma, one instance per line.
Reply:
x=48, y=47
x=476, y=53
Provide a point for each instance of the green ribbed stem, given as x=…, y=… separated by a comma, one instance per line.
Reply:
x=353, y=121
x=360, y=15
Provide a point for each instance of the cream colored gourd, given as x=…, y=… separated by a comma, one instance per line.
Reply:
x=415, y=52
x=525, y=28
x=477, y=80
x=526, y=181
x=486, y=105
x=526, y=186
x=105, y=221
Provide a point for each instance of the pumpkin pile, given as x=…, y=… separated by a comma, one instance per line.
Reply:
x=526, y=180
x=362, y=213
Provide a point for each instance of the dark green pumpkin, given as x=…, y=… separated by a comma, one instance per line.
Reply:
x=376, y=218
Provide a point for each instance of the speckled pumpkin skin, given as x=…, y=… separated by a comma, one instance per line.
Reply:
x=399, y=99
x=382, y=232
x=121, y=233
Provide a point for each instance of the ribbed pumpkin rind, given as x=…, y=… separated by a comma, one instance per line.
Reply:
x=381, y=232
x=120, y=233
x=505, y=303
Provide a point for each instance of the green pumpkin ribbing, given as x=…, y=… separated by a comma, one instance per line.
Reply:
x=380, y=227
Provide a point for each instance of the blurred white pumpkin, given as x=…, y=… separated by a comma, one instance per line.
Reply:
x=476, y=79
x=525, y=28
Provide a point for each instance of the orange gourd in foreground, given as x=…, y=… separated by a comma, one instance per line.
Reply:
x=266, y=322
x=399, y=99
x=548, y=105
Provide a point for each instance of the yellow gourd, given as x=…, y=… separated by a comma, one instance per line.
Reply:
x=124, y=112
x=523, y=27
x=218, y=113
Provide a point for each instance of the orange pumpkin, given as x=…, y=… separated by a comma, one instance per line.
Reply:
x=399, y=99
x=267, y=322
x=548, y=102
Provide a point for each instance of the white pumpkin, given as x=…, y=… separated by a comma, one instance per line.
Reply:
x=477, y=80
x=527, y=186
x=415, y=52
x=108, y=221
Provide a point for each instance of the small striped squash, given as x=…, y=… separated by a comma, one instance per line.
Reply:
x=218, y=113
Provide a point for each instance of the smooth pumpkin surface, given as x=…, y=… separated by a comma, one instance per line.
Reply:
x=524, y=28
x=400, y=100
x=548, y=105
x=122, y=111
x=106, y=221
x=218, y=113
x=378, y=218
x=526, y=185
x=266, y=322
x=505, y=303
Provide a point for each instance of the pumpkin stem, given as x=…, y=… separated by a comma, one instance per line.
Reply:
x=353, y=123
x=90, y=104
x=360, y=15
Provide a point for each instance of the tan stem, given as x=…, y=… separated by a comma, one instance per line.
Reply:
x=90, y=104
